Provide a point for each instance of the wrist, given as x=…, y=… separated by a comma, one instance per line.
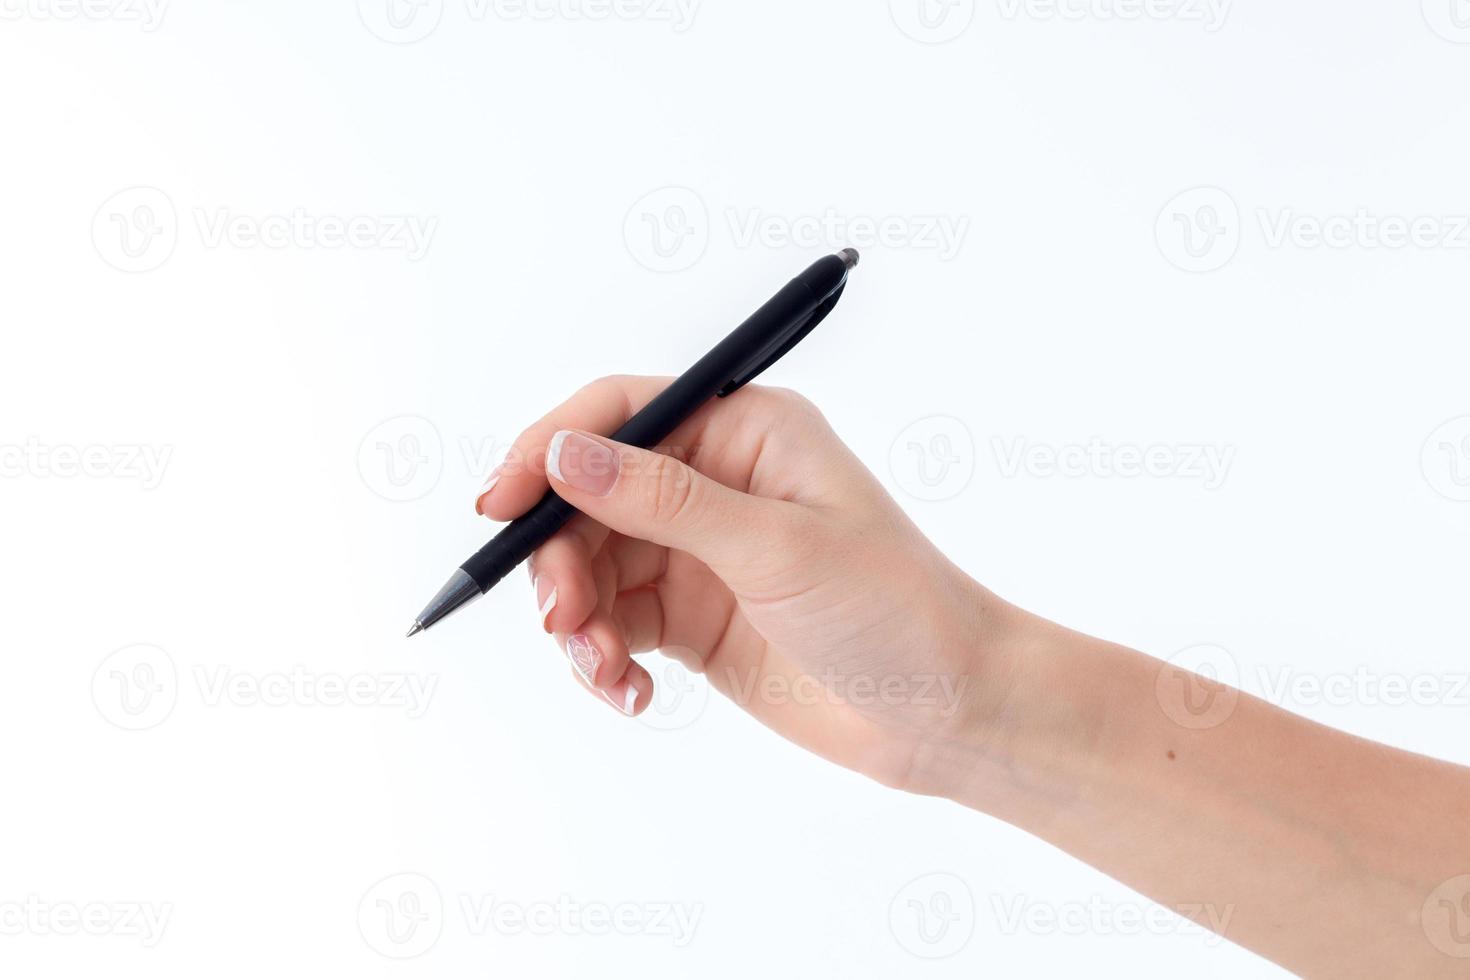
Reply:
x=1024, y=737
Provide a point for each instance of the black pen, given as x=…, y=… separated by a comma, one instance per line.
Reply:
x=755, y=345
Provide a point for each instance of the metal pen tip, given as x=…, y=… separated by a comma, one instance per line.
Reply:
x=849, y=257
x=417, y=629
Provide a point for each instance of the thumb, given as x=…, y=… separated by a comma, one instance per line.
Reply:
x=657, y=498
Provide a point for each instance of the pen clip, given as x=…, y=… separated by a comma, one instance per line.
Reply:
x=782, y=345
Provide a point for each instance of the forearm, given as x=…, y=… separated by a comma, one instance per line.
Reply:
x=1314, y=848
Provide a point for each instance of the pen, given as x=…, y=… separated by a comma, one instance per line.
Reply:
x=755, y=345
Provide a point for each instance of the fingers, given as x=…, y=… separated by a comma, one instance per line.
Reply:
x=565, y=571
x=561, y=575
x=657, y=498
x=596, y=646
x=517, y=483
x=600, y=661
x=767, y=441
x=639, y=615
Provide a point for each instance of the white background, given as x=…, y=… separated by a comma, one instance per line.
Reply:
x=327, y=413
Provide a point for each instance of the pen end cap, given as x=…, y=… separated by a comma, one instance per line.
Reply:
x=849, y=257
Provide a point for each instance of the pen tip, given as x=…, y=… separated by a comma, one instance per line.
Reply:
x=849, y=257
x=416, y=630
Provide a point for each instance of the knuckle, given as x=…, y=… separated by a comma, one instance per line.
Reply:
x=792, y=402
x=599, y=385
x=669, y=493
x=791, y=410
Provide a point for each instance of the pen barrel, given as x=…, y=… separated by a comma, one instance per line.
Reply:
x=517, y=540
x=752, y=341
x=751, y=345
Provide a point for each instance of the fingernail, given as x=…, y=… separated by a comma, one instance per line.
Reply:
x=545, y=598
x=489, y=485
x=585, y=657
x=582, y=463
x=627, y=702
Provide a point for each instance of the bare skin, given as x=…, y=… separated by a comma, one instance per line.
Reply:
x=757, y=549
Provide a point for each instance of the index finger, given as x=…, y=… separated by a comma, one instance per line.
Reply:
x=514, y=486
x=747, y=444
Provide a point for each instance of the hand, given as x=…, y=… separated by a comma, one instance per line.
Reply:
x=756, y=549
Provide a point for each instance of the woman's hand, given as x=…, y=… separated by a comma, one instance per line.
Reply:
x=756, y=549
x=766, y=556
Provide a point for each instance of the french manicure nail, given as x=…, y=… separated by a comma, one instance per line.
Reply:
x=489, y=485
x=582, y=463
x=628, y=701
x=546, y=598
x=585, y=657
